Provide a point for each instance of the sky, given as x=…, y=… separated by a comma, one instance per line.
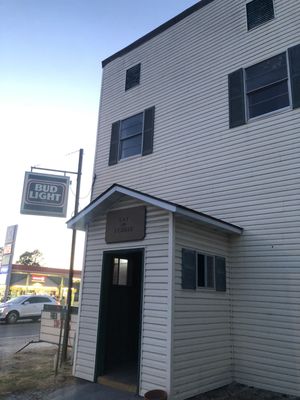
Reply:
x=50, y=79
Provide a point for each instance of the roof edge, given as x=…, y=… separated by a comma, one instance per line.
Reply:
x=157, y=31
x=155, y=201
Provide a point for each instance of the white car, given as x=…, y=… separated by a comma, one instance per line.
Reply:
x=24, y=307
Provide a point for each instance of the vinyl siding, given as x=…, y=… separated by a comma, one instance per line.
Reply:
x=248, y=175
x=154, y=369
x=202, y=347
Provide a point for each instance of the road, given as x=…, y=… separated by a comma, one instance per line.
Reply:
x=21, y=328
x=15, y=336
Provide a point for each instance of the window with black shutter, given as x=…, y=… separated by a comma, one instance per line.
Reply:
x=132, y=136
x=203, y=271
x=206, y=271
x=133, y=75
x=294, y=63
x=189, y=263
x=265, y=87
x=259, y=12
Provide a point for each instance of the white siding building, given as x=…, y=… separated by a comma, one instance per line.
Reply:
x=191, y=277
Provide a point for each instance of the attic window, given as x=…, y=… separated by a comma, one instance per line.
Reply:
x=133, y=76
x=259, y=12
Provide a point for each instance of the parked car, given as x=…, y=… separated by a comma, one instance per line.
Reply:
x=21, y=307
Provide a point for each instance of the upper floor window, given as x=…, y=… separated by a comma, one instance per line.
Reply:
x=267, y=86
x=259, y=12
x=133, y=75
x=132, y=136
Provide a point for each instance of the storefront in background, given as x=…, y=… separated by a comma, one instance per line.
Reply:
x=27, y=279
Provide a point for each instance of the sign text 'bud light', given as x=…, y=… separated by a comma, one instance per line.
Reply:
x=45, y=194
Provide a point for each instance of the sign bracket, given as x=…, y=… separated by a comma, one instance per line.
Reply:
x=55, y=170
x=72, y=256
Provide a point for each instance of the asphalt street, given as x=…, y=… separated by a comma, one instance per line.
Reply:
x=13, y=337
x=21, y=328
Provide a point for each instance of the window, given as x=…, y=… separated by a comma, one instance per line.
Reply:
x=206, y=271
x=203, y=271
x=267, y=86
x=131, y=132
x=38, y=299
x=270, y=85
x=133, y=76
x=132, y=136
x=120, y=272
x=259, y=12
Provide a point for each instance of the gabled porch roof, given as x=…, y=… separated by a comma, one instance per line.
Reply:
x=116, y=192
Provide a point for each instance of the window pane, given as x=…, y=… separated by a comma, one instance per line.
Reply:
x=123, y=272
x=115, y=271
x=131, y=146
x=201, y=270
x=266, y=72
x=131, y=126
x=210, y=281
x=268, y=99
x=44, y=300
x=31, y=300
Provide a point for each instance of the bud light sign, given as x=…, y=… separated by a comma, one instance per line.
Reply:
x=45, y=195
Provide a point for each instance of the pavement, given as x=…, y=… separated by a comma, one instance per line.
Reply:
x=82, y=390
x=91, y=391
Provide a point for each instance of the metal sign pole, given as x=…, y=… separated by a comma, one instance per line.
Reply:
x=70, y=285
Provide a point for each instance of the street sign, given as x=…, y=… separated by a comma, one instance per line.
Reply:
x=6, y=263
x=45, y=194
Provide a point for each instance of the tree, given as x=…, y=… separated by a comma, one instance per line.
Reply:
x=30, y=258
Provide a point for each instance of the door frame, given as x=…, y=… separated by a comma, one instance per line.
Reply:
x=102, y=316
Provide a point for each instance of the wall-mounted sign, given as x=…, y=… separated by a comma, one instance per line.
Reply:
x=45, y=195
x=38, y=278
x=125, y=225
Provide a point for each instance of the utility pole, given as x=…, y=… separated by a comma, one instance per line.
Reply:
x=70, y=284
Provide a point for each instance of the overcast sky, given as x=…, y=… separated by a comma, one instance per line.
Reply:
x=50, y=76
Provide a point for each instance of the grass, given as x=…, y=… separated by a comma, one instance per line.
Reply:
x=32, y=370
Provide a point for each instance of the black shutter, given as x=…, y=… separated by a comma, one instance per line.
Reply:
x=188, y=269
x=148, y=131
x=237, y=115
x=294, y=61
x=220, y=270
x=114, y=143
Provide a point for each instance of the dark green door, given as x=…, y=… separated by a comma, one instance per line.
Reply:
x=120, y=312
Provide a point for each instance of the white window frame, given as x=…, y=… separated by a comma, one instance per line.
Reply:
x=205, y=271
x=135, y=135
x=279, y=110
